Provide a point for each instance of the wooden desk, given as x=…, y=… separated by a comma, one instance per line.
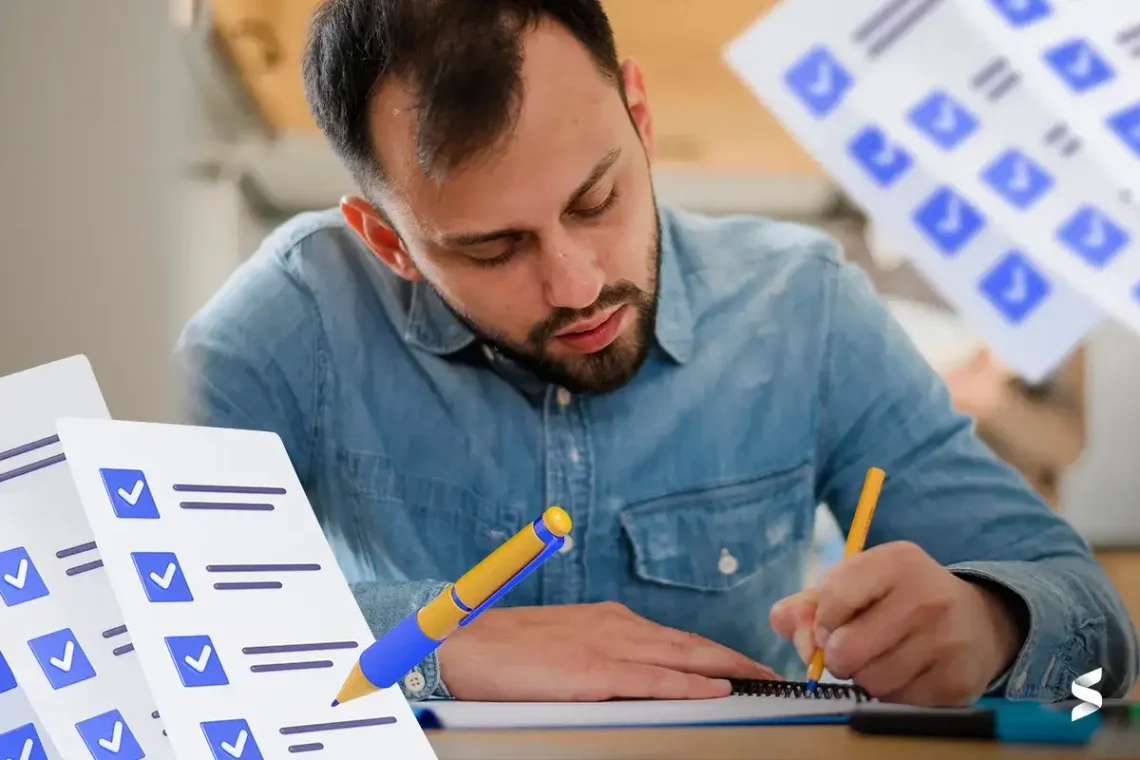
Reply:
x=809, y=742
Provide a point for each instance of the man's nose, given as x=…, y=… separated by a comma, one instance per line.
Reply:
x=572, y=277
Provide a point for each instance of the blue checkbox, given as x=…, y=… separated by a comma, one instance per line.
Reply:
x=948, y=220
x=1079, y=65
x=197, y=661
x=1018, y=13
x=1094, y=237
x=108, y=737
x=1015, y=287
x=162, y=577
x=1126, y=125
x=7, y=677
x=883, y=160
x=819, y=80
x=20, y=581
x=943, y=120
x=1018, y=179
x=62, y=659
x=129, y=494
x=22, y=743
x=231, y=740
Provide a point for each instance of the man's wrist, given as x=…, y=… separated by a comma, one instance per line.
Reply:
x=1007, y=618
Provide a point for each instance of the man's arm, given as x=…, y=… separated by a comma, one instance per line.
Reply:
x=251, y=362
x=882, y=405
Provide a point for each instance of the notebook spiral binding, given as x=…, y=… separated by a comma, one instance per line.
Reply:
x=798, y=690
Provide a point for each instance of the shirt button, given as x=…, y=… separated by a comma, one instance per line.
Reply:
x=563, y=398
x=727, y=564
x=568, y=546
x=1019, y=681
x=574, y=456
x=414, y=681
x=487, y=352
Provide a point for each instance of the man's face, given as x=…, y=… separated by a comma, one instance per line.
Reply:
x=548, y=245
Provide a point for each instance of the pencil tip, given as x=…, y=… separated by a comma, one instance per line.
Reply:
x=335, y=702
x=811, y=686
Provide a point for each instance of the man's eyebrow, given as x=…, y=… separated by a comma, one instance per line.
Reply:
x=464, y=239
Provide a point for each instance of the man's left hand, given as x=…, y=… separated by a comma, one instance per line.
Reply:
x=903, y=627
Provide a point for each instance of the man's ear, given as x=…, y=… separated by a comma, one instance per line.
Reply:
x=378, y=235
x=637, y=99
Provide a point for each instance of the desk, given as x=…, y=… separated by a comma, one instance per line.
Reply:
x=808, y=742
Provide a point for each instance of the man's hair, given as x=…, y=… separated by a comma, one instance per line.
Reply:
x=462, y=60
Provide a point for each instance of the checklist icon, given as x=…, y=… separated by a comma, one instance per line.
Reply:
x=1126, y=125
x=196, y=661
x=1015, y=288
x=943, y=120
x=819, y=81
x=129, y=494
x=162, y=577
x=1079, y=65
x=1018, y=13
x=231, y=740
x=20, y=581
x=948, y=221
x=108, y=737
x=61, y=658
x=1092, y=236
x=884, y=161
x=7, y=677
x=1018, y=179
x=22, y=743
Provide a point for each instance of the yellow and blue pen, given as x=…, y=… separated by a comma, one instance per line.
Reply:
x=392, y=656
x=856, y=538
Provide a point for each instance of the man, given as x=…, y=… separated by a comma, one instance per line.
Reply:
x=505, y=320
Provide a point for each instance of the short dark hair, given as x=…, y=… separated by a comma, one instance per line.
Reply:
x=462, y=59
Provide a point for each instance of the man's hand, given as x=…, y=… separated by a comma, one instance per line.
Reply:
x=903, y=627
x=980, y=388
x=585, y=652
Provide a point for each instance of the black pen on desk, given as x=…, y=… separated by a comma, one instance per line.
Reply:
x=1018, y=723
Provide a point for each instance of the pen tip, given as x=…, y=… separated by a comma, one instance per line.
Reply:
x=335, y=702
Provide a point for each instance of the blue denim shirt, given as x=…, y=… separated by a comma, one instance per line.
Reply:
x=776, y=378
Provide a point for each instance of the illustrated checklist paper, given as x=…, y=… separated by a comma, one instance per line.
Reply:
x=239, y=612
x=957, y=147
x=61, y=630
x=22, y=736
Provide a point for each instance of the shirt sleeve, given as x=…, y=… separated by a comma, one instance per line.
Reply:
x=882, y=405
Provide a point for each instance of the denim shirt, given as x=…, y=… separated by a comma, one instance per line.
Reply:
x=775, y=379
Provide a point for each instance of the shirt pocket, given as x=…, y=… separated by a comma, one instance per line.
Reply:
x=721, y=538
x=417, y=527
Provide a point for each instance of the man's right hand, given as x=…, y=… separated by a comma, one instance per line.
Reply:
x=584, y=653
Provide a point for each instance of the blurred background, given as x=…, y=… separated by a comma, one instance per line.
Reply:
x=147, y=148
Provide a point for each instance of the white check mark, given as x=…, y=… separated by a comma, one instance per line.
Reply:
x=1020, y=180
x=20, y=577
x=884, y=156
x=68, y=657
x=203, y=658
x=26, y=752
x=236, y=749
x=951, y=221
x=1096, y=235
x=1018, y=289
x=163, y=581
x=823, y=81
x=116, y=740
x=1081, y=66
x=946, y=119
x=132, y=498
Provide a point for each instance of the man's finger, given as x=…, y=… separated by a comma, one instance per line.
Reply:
x=632, y=680
x=889, y=675
x=690, y=653
x=793, y=611
x=872, y=633
x=856, y=582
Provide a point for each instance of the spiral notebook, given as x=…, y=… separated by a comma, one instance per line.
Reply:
x=753, y=702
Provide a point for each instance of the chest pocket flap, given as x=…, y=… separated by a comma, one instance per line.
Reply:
x=719, y=538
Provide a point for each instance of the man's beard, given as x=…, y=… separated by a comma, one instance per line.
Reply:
x=602, y=371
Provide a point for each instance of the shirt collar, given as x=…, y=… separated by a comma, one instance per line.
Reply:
x=433, y=327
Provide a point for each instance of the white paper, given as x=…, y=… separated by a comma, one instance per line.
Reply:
x=61, y=629
x=851, y=118
x=219, y=563
x=22, y=735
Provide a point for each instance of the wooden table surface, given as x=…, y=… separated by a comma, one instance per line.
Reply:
x=777, y=742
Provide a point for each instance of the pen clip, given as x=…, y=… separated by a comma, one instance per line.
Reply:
x=550, y=548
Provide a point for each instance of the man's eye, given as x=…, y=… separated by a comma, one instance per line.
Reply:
x=494, y=261
x=599, y=209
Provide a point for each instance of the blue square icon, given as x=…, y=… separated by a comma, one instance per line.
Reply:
x=62, y=659
x=1018, y=13
x=1015, y=287
x=884, y=161
x=1079, y=65
x=196, y=661
x=943, y=120
x=1126, y=125
x=7, y=677
x=231, y=740
x=20, y=581
x=819, y=80
x=22, y=743
x=948, y=220
x=130, y=494
x=1018, y=179
x=108, y=737
x=162, y=577
x=1092, y=236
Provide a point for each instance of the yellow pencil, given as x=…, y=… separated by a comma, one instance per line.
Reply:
x=856, y=537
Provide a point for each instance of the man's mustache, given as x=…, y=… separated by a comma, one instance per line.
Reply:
x=621, y=292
